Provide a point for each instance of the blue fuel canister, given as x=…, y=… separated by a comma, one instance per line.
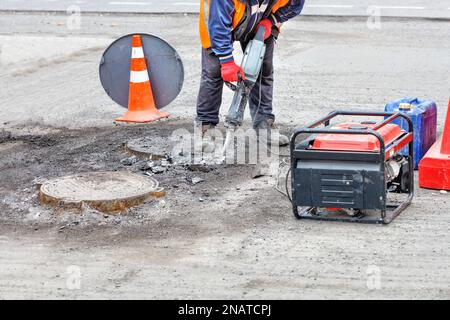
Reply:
x=424, y=116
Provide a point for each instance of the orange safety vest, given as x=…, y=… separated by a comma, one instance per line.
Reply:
x=239, y=13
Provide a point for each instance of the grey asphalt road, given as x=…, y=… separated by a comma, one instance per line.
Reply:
x=400, y=8
x=242, y=241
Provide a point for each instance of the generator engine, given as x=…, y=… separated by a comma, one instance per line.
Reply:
x=397, y=174
x=341, y=171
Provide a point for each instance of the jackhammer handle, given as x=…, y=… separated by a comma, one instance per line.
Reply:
x=232, y=86
x=260, y=34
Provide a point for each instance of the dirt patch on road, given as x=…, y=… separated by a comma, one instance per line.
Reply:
x=193, y=191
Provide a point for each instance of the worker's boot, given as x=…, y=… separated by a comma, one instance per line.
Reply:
x=208, y=138
x=267, y=130
x=281, y=138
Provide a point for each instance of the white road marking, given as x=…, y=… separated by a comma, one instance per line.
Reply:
x=193, y=4
x=399, y=7
x=123, y=3
x=344, y=6
x=329, y=6
x=186, y=4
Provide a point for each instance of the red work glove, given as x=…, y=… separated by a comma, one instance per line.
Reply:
x=230, y=72
x=266, y=23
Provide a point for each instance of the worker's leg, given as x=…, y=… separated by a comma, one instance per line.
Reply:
x=211, y=88
x=262, y=93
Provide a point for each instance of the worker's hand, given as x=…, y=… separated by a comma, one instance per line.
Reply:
x=267, y=24
x=231, y=72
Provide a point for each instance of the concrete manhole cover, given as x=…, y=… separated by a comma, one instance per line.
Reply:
x=104, y=191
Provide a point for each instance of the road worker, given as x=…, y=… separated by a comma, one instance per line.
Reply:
x=222, y=22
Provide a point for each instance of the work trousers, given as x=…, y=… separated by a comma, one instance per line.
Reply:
x=211, y=88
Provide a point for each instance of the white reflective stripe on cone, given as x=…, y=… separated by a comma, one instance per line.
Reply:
x=137, y=53
x=139, y=76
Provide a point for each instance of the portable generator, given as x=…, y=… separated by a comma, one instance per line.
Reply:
x=344, y=172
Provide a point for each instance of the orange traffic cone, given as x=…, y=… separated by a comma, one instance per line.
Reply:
x=141, y=104
x=434, y=168
x=445, y=147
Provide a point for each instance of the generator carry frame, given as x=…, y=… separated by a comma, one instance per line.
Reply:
x=362, y=170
